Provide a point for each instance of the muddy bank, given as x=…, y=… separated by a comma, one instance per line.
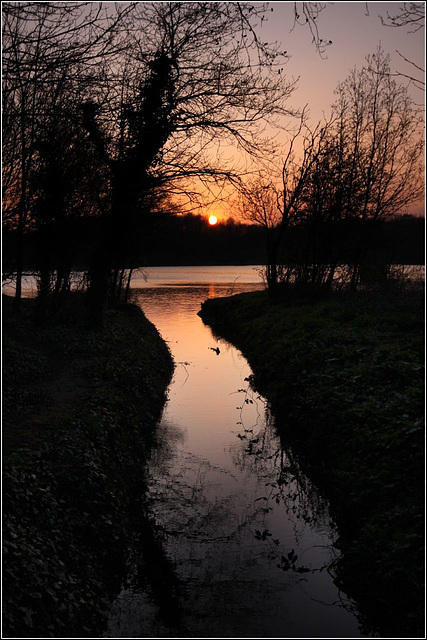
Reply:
x=79, y=413
x=345, y=379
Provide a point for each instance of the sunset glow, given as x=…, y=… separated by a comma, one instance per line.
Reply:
x=263, y=379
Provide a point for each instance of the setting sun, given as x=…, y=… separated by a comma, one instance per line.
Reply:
x=213, y=220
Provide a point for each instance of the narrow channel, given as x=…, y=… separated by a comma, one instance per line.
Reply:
x=248, y=543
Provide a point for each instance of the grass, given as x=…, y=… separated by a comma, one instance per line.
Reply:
x=80, y=408
x=345, y=379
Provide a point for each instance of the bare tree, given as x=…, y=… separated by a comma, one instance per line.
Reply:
x=325, y=207
x=228, y=85
x=362, y=167
x=195, y=78
x=258, y=203
x=306, y=14
x=381, y=130
x=276, y=206
x=65, y=181
x=409, y=15
x=47, y=47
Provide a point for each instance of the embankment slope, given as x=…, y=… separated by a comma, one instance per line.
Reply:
x=80, y=408
x=345, y=380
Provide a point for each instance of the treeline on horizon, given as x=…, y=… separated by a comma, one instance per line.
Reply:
x=185, y=240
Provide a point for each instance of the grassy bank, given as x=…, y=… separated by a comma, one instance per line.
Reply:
x=79, y=412
x=345, y=378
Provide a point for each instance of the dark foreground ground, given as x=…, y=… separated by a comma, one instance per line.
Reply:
x=345, y=379
x=78, y=417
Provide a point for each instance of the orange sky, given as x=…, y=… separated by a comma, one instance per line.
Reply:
x=354, y=35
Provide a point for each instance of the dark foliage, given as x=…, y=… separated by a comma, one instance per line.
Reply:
x=79, y=413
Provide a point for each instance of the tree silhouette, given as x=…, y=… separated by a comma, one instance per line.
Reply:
x=362, y=167
x=380, y=128
x=208, y=80
x=160, y=88
x=277, y=206
x=48, y=48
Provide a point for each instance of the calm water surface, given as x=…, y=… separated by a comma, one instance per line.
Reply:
x=230, y=508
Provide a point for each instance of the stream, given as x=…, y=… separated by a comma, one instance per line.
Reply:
x=246, y=541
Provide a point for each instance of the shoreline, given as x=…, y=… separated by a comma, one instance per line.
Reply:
x=75, y=450
x=344, y=378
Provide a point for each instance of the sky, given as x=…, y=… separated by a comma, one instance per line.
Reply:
x=354, y=35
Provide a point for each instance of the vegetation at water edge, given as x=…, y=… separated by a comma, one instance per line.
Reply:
x=345, y=378
x=79, y=412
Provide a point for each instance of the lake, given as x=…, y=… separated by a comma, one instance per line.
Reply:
x=229, y=276
x=245, y=540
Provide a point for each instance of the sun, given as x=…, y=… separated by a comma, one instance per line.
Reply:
x=213, y=220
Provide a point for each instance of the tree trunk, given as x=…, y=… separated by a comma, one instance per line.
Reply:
x=128, y=283
x=19, y=266
x=97, y=295
x=42, y=301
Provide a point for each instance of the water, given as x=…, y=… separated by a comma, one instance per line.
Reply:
x=229, y=276
x=230, y=509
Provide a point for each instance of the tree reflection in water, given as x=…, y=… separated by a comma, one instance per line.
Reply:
x=241, y=538
x=263, y=454
x=207, y=542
